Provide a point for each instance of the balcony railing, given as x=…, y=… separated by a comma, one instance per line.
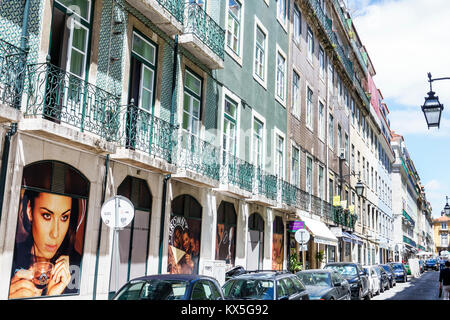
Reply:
x=199, y=23
x=12, y=73
x=61, y=97
x=147, y=133
x=175, y=7
x=198, y=156
x=237, y=172
x=409, y=241
x=343, y=217
x=266, y=184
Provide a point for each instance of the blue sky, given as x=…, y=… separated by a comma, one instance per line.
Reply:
x=406, y=39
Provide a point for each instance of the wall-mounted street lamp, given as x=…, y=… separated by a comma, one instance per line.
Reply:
x=432, y=108
x=447, y=208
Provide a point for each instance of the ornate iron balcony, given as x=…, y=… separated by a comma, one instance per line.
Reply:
x=12, y=73
x=199, y=23
x=147, y=133
x=237, y=172
x=198, y=156
x=266, y=184
x=61, y=97
x=175, y=7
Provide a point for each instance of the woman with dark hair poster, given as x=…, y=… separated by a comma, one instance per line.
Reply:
x=44, y=249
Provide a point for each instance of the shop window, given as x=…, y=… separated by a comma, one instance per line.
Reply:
x=50, y=230
x=134, y=238
x=226, y=233
x=184, y=235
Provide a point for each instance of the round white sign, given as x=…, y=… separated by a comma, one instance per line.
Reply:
x=123, y=216
x=302, y=236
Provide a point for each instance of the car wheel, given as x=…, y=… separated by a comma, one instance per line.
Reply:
x=405, y=279
x=360, y=296
x=382, y=289
x=367, y=296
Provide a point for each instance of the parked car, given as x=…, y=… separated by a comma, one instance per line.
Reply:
x=265, y=285
x=374, y=281
x=400, y=272
x=356, y=277
x=390, y=273
x=384, y=279
x=171, y=287
x=325, y=284
x=431, y=264
x=233, y=272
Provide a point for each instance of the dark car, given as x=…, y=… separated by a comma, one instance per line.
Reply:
x=431, y=264
x=384, y=278
x=390, y=273
x=171, y=287
x=325, y=284
x=400, y=272
x=356, y=277
x=265, y=285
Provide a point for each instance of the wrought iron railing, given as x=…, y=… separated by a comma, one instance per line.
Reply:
x=237, y=172
x=199, y=23
x=198, y=156
x=343, y=217
x=12, y=73
x=59, y=96
x=362, y=93
x=175, y=7
x=266, y=184
x=147, y=133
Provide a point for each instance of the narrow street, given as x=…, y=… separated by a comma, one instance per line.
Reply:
x=423, y=288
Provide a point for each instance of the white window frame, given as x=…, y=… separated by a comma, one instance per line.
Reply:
x=309, y=45
x=281, y=100
x=296, y=104
x=321, y=124
x=236, y=56
x=322, y=64
x=282, y=20
x=297, y=29
x=260, y=118
x=308, y=156
x=278, y=133
x=227, y=93
x=323, y=195
x=309, y=114
x=296, y=183
x=258, y=24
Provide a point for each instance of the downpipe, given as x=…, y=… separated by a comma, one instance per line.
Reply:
x=163, y=218
x=5, y=158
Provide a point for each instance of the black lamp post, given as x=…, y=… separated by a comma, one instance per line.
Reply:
x=447, y=207
x=432, y=108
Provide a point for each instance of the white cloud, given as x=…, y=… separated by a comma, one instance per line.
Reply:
x=406, y=39
x=405, y=122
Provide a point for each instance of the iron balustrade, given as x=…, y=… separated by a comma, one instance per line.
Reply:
x=237, y=172
x=12, y=73
x=62, y=97
x=175, y=7
x=343, y=217
x=198, y=155
x=199, y=23
x=266, y=184
x=362, y=93
x=147, y=133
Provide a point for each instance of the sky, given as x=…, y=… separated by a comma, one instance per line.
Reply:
x=405, y=40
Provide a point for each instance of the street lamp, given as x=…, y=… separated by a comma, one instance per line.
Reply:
x=432, y=108
x=447, y=207
x=360, y=188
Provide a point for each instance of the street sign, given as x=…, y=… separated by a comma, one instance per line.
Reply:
x=302, y=236
x=303, y=247
x=117, y=212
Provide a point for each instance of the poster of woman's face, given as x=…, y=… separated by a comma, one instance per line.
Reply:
x=184, y=245
x=225, y=243
x=277, y=251
x=48, y=246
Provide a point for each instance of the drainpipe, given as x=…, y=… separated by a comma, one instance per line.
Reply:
x=5, y=156
x=100, y=229
x=163, y=217
x=174, y=86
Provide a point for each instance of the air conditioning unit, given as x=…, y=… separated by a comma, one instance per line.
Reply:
x=342, y=153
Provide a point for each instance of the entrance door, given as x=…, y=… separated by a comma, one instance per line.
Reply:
x=254, y=250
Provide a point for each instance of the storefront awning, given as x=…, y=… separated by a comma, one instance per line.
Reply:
x=321, y=233
x=348, y=237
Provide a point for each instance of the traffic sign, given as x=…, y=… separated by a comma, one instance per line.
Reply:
x=117, y=212
x=302, y=236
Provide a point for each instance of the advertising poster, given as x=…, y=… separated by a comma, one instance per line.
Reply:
x=225, y=243
x=277, y=251
x=48, y=245
x=184, y=245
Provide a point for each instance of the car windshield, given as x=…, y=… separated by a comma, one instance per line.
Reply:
x=252, y=289
x=155, y=289
x=315, y=279
x=397, y=266
x=345, y=270
x=386, y=268
x=431, y=261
